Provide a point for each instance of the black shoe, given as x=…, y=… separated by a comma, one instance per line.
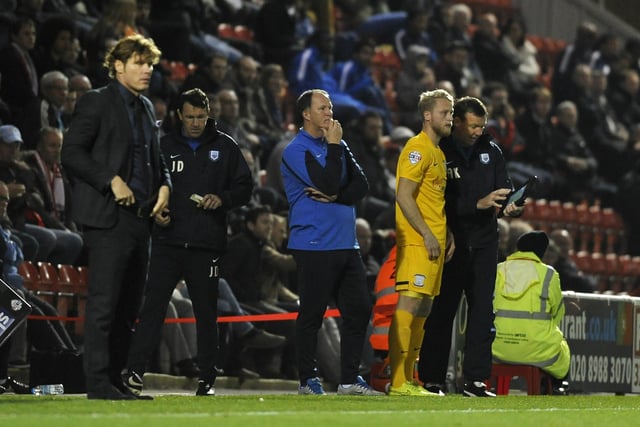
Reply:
x=560, y=388
x=111, y=393
x=476, y=389
x=187, y=368
x=258, y=338
x=131, y=385
x=435, y=388
x=14, y=385
x=205, y=389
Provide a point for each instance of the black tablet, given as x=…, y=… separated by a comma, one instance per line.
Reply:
x=518, y=196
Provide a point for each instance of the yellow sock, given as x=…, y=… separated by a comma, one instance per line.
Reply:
x=399, y=341
x=417, y=333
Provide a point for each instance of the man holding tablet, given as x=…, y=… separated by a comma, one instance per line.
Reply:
x=477, y=187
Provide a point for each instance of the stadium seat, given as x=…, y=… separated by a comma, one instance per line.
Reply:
x=30, y=275
x=501, y=375
x=225, y=31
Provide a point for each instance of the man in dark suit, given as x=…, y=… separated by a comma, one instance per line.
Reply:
x=121, y=182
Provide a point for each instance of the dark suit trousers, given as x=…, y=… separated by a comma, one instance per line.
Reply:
x=325, y=277
x=118, y=259
x=168, y=265
x=472, y=271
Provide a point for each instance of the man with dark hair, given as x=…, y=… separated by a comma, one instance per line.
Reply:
x=121, y=183
x=323, y=182
x=209, y=177
x=477, y=185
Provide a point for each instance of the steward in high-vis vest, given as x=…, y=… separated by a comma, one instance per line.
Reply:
x=386, y=301
x=528, y=308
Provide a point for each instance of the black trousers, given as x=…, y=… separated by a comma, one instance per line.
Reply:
x=118, y=260
x=324, y=277
x=472, y=271
x=168, y=265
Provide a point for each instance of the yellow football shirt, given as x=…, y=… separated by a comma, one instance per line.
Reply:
x=423, y=162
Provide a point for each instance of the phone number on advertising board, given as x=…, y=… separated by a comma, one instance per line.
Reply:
x=601, y=369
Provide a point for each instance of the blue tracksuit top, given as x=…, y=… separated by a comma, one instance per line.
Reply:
x=330, y=168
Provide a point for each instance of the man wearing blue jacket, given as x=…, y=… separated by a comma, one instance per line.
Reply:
x=323, y=182
x=210, y=177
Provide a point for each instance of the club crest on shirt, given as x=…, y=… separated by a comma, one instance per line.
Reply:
x=484, y=158
x=214, y=155
x=418, y=280
x=16, y=305
x=415, y=157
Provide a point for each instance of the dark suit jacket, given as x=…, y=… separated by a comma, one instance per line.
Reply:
x=99, y=146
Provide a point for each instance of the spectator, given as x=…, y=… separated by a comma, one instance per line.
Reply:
x=517, y=227
x=244, y=81
x=534, y=125
x=46, y=111
x=355, y=79
x=607, y=136
x=453, y=66
x=249, y=337
x=309, y=70
x=365, y=142
x=626, y=203
x=575, y=165
x=501, y=124
x=415, y=78
x=494, y=60
x=55, y=37
x=210, y=75
x=252, y=266
x=607, y=51
x=371, y=265
x=503, y=239
x=577, y=52
x=270, y=103
x=571, y=278
x=515, y=44
x=51, y=180
x=277, y=29
x=439, y=26
x=461, y=19
x=415, y=33
x=17, y=68
x=80, y=84
x=623, y=96
x=529, y=307
x=58, y=246
x=43, y=335
x=232, y=123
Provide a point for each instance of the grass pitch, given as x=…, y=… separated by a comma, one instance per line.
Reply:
x=279, y=410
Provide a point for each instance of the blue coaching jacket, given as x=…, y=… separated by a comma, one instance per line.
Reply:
x=332, y=169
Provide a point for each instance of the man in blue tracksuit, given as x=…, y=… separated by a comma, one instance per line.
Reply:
x=211, y=177
x=323, y=182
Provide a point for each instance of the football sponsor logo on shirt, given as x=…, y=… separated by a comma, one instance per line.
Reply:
x=415, y=157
